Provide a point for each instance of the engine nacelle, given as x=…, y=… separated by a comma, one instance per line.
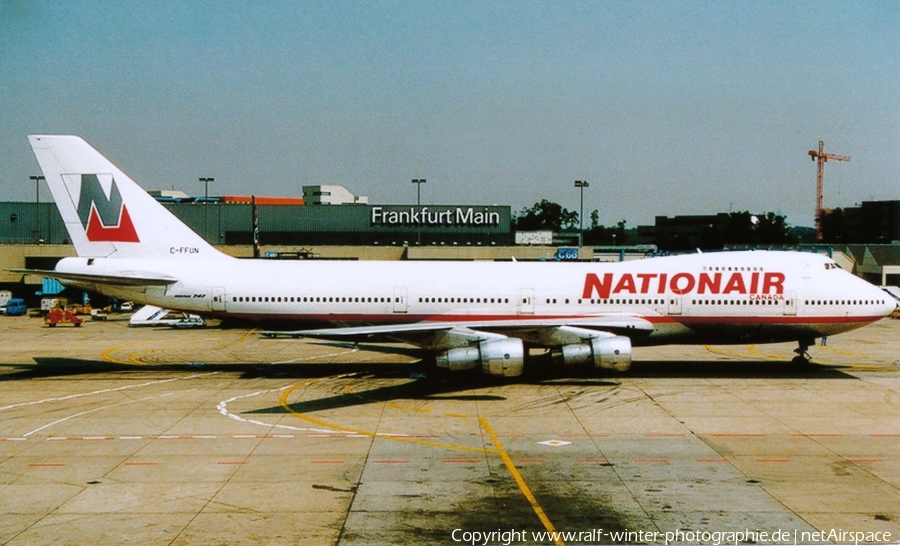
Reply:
x=577, y=353
x=612, y=353
x=459, y=358
x=502, y=357
x=609, y=352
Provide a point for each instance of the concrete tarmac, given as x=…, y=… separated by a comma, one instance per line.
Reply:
x=117, y=435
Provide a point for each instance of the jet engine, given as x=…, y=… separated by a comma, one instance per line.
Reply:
x=503, y=357
x=610, y=352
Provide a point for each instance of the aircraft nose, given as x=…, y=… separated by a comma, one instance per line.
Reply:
x=889, y=302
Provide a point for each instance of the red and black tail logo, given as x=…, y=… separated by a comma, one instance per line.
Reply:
x=105, y=219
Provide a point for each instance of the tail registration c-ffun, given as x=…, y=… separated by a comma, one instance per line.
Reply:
x=483, y=315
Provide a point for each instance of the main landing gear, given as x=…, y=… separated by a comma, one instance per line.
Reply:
x=803, y=358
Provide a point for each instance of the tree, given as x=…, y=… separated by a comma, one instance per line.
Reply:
x=743, y=228
x=733, y=228
x=545, y=215
x=608, y=235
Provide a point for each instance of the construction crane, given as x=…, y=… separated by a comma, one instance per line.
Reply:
x=822, y=158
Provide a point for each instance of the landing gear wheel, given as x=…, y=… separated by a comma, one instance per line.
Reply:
x=800, y=361
x=802, y=358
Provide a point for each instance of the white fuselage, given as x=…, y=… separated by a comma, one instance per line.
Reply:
x=727, y=297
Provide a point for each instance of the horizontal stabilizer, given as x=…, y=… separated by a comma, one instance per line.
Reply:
x=122, y=278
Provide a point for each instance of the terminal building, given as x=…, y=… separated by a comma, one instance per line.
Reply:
x=357, y=224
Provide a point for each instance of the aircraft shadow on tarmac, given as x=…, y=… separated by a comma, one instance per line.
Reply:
x=426, y=382
x=536, y=374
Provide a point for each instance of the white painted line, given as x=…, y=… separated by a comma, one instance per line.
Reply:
x=555, y=443
x=301, y=359
x=103, y=391
x=223, y=410
x=83, y=413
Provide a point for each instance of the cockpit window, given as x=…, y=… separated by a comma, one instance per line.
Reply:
x=832, y=265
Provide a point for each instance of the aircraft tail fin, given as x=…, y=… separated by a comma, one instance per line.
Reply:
x=105, y=212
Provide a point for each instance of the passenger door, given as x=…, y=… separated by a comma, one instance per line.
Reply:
x=218, y=298
x=400, y=300
x=675, y=305
x=526, y=301
x=790, y=302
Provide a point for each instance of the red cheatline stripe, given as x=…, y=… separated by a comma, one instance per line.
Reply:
x=233, y=462
x=44, y=465
x=774, y=460
x=712, y=461
x=391, y=461
x=885, y=435
x=532, y=461
x=660, y=460
x=138, y=463
x=737, y=435
x=604, y=461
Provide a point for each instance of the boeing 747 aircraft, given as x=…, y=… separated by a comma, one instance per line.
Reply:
x=483, y=315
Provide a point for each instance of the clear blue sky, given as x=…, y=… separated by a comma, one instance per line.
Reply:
x=665, y=107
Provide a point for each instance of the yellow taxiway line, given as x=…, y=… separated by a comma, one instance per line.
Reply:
x=520, y=481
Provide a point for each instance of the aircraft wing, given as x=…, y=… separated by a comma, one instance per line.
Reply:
x=430, y=334
x=122, y=278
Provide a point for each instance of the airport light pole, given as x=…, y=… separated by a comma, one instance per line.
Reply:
x=418, y=182
x=206, y=182
x=37, y=206
x=581, y=184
